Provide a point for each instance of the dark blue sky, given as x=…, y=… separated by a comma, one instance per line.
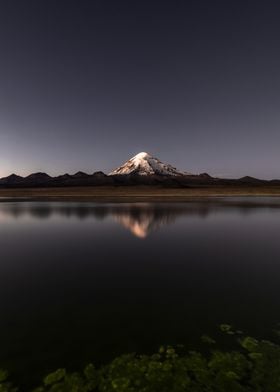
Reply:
x=86, y=84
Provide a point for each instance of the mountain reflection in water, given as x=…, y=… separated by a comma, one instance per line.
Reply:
x=83, y=282
x=140, y=218
x=144, y=219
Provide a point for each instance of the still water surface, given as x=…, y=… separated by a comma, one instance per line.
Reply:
x=84, y=282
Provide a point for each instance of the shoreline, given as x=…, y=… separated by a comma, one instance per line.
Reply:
x=135, y=193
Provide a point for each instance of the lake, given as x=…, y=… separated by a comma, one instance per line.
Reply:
x=83, y=282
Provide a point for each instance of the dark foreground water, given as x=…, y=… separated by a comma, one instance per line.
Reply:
x=84, y=282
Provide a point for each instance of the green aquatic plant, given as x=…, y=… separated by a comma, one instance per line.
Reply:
x=5, y=385
x=254, y=366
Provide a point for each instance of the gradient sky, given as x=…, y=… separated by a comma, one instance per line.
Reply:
x=86, y=84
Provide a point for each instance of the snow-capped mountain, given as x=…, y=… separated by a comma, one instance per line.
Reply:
x=144, y=164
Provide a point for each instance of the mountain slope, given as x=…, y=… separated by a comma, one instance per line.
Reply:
x=144, y=164
x=11, y=180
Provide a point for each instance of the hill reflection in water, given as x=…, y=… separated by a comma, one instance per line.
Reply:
x=140, y=218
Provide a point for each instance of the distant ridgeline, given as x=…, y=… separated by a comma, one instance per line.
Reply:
x=142, y=169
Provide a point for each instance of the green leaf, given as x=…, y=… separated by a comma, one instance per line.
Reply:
x=250, y=344
x=227, y=328
x=207, y=339
x=55, y=377
x=3, y=375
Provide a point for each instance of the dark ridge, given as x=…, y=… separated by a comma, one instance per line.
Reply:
x=38, y=176
x=205, y=175
x=36, y=179
x=275, y=182
x=80, y=174
x=63, y=176
x=251, y=180
x=101, y=179
x=99, y=174
x=10, y=180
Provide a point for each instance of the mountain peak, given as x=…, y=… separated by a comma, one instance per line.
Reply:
x=145, y=164
x=142, y=155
